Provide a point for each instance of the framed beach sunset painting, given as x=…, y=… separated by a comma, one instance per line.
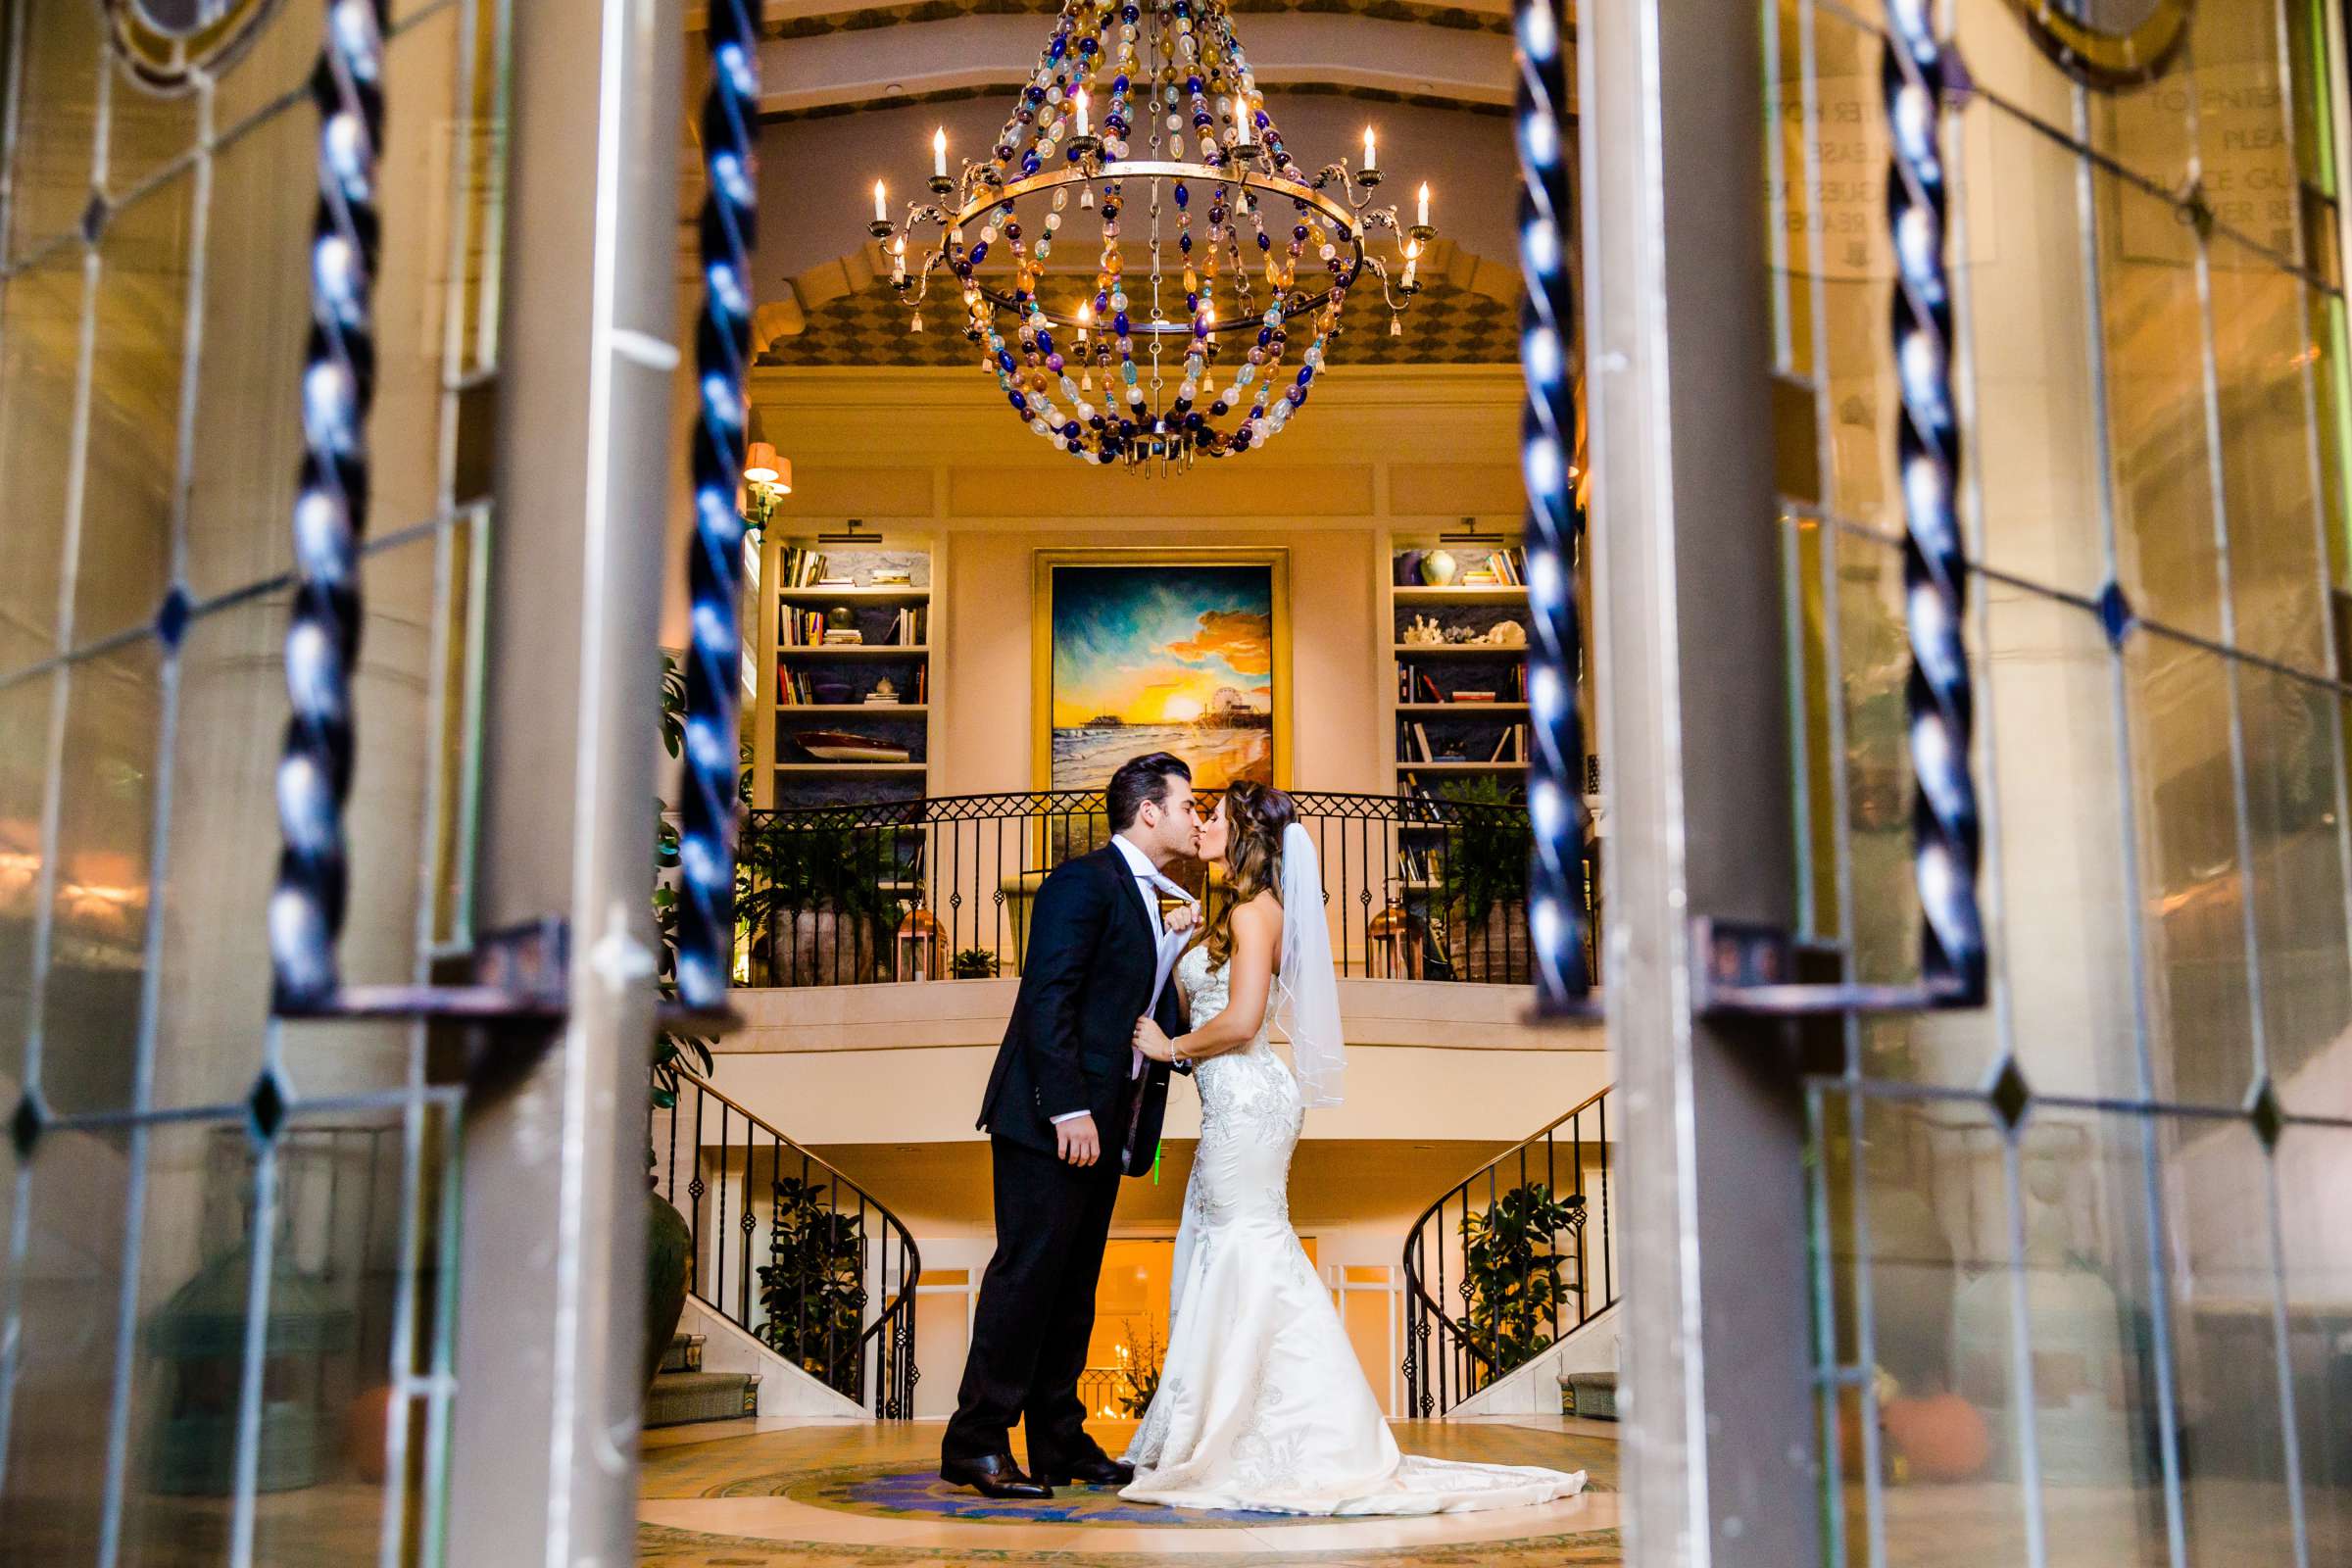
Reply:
x=1184, y=651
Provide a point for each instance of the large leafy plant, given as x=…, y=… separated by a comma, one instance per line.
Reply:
x=671, y=1051
x=812, y=1286
x=1145, y=1356
x=1511, y=1266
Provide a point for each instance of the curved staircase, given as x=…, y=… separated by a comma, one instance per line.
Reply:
x=801, y=1294
x=1510, y=1280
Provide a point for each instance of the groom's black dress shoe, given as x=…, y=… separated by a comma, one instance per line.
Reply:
x=995, y=1476
x=1100, y=1471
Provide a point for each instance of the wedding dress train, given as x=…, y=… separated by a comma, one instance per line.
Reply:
x=1262, y=1404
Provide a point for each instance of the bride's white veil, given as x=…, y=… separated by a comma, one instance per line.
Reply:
x=1306, y=1000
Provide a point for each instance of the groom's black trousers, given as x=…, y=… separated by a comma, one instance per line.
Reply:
x=1037, y=1308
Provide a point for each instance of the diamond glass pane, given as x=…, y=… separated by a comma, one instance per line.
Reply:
x=2134, y=1308
x=150, y=353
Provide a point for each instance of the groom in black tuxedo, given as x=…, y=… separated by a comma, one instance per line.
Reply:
x=1070, y=1106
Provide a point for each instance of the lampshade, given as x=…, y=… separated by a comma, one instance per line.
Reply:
x=761, y=465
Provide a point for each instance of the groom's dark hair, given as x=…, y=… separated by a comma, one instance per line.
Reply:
x=1140, y=779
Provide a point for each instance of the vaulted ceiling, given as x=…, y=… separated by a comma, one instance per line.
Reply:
x=852, y=92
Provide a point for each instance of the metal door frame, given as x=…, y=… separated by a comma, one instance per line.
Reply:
x=1718, y=1440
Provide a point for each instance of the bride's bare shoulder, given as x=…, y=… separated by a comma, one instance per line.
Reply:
x=1262, y=914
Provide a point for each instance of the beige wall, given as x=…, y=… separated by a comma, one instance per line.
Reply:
x=931, y=458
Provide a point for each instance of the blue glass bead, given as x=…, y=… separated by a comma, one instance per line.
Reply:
x=1102, y=302
x=979, y=252
x=1192, y=84
x=1263, y=243
x=1265, y=335
x=1005, y=359
x=1119, y=323
x=1184, y=243
x=1307, y=373
x=1184, y=196
x=1071, y=429
x=1021, y=404
x=1119, y=86
x=1030, y=163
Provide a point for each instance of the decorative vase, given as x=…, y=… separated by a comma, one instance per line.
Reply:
x=1438, y=569
x=668, y=1250
x=829, y=950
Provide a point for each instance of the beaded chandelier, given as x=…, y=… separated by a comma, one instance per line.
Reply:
x=1186, y=160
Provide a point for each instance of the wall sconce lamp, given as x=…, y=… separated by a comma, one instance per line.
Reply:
x=766, y=477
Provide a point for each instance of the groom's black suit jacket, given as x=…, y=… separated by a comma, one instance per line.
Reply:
x=1086, y=978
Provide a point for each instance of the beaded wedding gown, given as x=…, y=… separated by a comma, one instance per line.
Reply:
x=1262, y=1404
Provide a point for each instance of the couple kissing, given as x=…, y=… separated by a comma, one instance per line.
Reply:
x=1261, y=1404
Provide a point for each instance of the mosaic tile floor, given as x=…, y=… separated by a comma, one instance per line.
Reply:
x=864, y=1496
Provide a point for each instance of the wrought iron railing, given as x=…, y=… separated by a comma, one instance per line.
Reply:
x=789, y=1250
x=1415, y=889
x=1525, y=1243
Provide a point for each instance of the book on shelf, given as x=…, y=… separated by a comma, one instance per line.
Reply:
x=1431, y=686
x=1473, y=696
x=799, y=568
x=1502, y=743
x=1421, y=738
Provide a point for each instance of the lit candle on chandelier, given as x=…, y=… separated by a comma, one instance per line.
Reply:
x=897, y=259
x=1080, y=100
x=1086, y=317
x=939, y=151
x=881, y=204
x=1243, y=115
x=1371, y=152
x=1423, y=220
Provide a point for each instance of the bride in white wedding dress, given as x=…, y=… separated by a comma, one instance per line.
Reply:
x=1262, y=1404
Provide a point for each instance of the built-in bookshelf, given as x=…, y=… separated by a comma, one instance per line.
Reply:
x=1457, y=613
x=846, y=711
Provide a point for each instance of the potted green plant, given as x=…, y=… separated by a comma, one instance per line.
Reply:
x=813, y=895
x=812, y=1286
x=975, y=963
x=1511, y=1274
x=670, y=1241
x=1482, y=914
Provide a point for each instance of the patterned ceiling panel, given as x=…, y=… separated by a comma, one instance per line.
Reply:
x=1433, y=15
x=1447, y=326
x=1300, y=90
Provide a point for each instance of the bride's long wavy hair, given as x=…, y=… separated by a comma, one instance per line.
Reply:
x=1256, y=815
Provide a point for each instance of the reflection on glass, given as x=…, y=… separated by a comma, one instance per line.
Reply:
x=1873, y=661
x=257, y=319
x=2294, y=803
x=65, y=1350
x=2314, y=1170
x=56, y=127
x=2270, y=455
x=2192, y=882
x=98, y=909
x=2055, y=793
x=24, y=710
x=1920, y=1290
x=40, y=359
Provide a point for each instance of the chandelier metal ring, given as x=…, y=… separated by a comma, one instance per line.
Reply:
x=1297, y=305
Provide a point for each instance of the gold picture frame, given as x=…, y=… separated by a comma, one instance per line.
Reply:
x=1274, y=560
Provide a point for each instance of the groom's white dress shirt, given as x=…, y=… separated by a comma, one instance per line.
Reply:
x=1149, y=884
